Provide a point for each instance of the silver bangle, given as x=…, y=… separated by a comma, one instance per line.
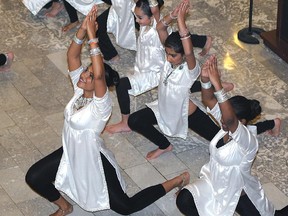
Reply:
x=172, y=17
x=221, y=96
x=77, y=40
x=164, y=22
x=153, y=3
x=93, y=40
x=184, y=38
x=206, y=85
x=95, y=51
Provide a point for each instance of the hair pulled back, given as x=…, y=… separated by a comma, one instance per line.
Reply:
x=144, y=6
x=174, y=42
x=245, y=108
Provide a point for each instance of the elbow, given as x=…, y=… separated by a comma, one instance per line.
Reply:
x=230, y=122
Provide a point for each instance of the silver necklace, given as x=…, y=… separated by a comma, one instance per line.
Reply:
x=165, y=81
x=81, y=102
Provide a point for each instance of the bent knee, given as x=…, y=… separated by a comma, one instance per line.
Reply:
x=133, y=121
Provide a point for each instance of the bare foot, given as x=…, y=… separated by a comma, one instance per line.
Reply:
x=185, y=179
x=114, y=60
x=56, y=8
x=70, y=26
x=157, y=152
x=9, y=60
x=63, y=212
x=117, y=128
x=277, y=128
x=228, y=86
x=207, y=46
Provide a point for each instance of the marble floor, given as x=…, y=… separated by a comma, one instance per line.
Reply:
x=33, y=95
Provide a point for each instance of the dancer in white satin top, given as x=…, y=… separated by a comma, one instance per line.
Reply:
x=228, y=172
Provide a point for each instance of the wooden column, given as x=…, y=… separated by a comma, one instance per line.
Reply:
x=277, y=40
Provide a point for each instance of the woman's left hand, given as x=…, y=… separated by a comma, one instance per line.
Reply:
x=183, y=9
x=92, y=25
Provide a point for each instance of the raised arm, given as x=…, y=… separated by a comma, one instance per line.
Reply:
x=185, y=34
x=155, y=9
x=207, y=90
x=74, y=51
x=95, y=54
x=163, y=24
x=228, y=116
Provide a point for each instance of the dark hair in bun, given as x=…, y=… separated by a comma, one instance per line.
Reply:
x=245, y=108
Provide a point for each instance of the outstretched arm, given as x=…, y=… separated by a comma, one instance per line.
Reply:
x=95, y=54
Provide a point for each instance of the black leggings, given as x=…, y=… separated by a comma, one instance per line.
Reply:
x=72, y=12
x=3, y=59
x=186, y=204
x=143, y=122
x=41, y=175
x=105, y=44
x=49, y=4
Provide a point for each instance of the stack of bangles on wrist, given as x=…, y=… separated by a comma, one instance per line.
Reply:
x=93, y=41
x=206, y=85
x=184, y=35
x=221, y=96
x=77, y=40
x=95, y=51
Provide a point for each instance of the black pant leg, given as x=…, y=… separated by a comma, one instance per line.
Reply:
x=198, y=40
x=245, y=207
x=3, y=59
x=72, y=12
x=143, y=122
x=186, y=204
x=105, y=44
x=264, y=126
x=49, y=4
x=196, y=87
x=201, y=124
x=42, y=174
x=123, y=96
x=119, y=201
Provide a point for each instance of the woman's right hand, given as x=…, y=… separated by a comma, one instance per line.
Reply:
x=84, y=23
x=214, y=74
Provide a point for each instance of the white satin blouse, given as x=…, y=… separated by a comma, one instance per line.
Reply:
x=36, y=5
x=228, y=172
x=80, y=174
x=149, y=61
x=121, y=24
x=171, y=108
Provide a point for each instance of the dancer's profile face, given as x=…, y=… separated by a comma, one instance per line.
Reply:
x=173, y=57
x=141, y=17
x=86, y=79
